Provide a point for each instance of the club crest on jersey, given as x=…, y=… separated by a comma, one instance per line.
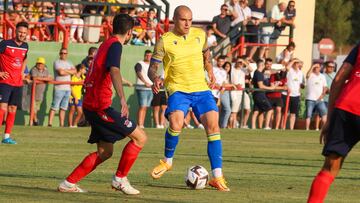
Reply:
x=128, y=123
x=357, y=74
x=198, y=39
x=175, y=42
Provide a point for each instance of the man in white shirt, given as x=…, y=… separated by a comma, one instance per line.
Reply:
x=143, y=87
x=295, y=81
x=316, y=88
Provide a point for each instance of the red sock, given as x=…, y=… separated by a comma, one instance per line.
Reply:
x=320, y=187
x=10, y=120
x=87, y=165
x=2, y=113
x=128, y=158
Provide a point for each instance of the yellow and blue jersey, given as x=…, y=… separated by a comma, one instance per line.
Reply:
x=183, y=61
x=76, y=90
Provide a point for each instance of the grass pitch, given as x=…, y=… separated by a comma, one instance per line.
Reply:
x=260, y=166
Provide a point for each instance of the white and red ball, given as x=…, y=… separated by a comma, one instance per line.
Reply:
x=196, y=177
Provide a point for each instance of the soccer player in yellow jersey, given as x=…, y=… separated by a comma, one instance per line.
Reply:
x=185, y=55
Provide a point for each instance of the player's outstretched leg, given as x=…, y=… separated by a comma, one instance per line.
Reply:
x=128, y=157
x=324, y=178
x=210, y=122
x=89, y=164
x=171, y=141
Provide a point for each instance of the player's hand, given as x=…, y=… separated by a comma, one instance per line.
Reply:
x=4, y=75
x=76, y=101
x=124, y=108
x=157, y=85
x=324, y=133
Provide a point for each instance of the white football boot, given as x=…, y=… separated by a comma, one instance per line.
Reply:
x=123, y=185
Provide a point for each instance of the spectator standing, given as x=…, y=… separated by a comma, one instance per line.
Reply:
x=258, y=15
x=13, y=54
x=159, y=103
x=40, y=73
x=238, y=78
x=89, y=58
x=277, y=79
x=75, y=97
x=295, y=81
x=63, y=69
x=143, y=87
x=329, y=74
x=225, y=99
x=219, y=76
x=261, y=102
x=316, y=88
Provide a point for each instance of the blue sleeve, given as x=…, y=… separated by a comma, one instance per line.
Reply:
x=2, y=46
x=113, y=56
x=351, y=58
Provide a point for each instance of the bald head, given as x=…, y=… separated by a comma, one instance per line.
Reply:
x=182, y=20
x=180, y=10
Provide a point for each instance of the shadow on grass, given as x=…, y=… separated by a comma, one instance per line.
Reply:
x=88, y=197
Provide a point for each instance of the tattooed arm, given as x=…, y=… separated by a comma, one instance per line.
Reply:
x=156, y=59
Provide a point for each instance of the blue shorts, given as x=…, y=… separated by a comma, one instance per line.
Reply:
x=144, y=97
x=72, y=103
x=319, y=106
x=60, y=99
x=200, y=102
x=343, y=133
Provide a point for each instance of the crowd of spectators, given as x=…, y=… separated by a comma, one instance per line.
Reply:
x=269, y=87
x=82, y=21
x=250, y=90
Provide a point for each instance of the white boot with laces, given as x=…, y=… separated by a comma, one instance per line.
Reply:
x=123, y=185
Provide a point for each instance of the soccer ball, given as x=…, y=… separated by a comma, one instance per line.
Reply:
x=196, y=177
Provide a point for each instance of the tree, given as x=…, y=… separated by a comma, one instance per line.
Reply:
x=333, y=20
x=355, y=21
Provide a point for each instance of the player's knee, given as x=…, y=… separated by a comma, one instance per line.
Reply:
x=140, y=138
x=213, y=129
x=12, y=108
x=333, y=163
x=104, y=155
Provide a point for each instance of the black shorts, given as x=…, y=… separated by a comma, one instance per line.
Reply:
x=10, y=94
x=252, y=39
x=108, y=125
x=294, y=104
x=343, y=133
x=159, y=99
x=276, y=102
x=261, y=103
